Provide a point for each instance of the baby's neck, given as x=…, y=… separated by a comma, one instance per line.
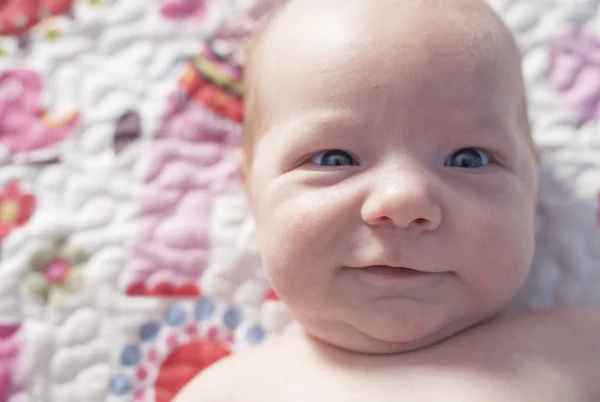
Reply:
x=369, y=347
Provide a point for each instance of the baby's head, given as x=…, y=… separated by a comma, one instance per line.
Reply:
x=389, y=133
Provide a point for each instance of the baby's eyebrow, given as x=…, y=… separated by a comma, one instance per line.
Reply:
x=315, y=124
x=486, y=123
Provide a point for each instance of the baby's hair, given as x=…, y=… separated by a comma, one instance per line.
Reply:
x=252, y=124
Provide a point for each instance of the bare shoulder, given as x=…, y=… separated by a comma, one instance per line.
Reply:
x=565, y=325
x=549, y=355
x=566, y=337
x=570, y=336
x=232, y=379
x=573, y=314
x=577, y=327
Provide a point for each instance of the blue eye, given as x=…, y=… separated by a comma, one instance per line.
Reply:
x=468, y=158
x=334, y=157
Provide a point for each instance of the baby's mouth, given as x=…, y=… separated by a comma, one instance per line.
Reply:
x=384, y=275
x=387, y=270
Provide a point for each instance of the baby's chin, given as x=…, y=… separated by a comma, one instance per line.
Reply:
x=383, y=338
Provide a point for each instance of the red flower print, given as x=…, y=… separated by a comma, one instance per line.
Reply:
x=16, y=208
x=184, y=364
x=17, y=16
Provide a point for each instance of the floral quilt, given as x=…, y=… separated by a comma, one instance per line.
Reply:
x=128, y=262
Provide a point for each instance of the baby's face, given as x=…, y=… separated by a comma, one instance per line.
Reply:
x=393, y=186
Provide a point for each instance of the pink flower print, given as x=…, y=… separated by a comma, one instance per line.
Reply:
x=25, y=126
x=575, y=72
x=179, y=9
x=55, y=272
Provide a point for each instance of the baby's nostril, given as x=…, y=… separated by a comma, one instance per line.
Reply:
x=420, y=221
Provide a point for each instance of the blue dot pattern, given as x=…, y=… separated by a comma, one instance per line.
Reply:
x=204, y=310
x=130, y=356
x=232, y=318
x=255, y=335
x=175, y=315
x=149, y=331
x=120, y=385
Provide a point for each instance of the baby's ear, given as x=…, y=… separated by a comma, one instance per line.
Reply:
x=241, y=161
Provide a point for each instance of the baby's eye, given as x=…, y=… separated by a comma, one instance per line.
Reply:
x=334, y=157
x=468, y=158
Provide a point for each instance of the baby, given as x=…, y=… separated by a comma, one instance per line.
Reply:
x=389, y=166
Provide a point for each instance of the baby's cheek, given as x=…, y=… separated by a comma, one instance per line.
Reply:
x=499, y=254
x=293, y=273
x=297, y=248
x=283, y=237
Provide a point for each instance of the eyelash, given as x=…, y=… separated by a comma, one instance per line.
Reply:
x=354, y=161
x=489, y=157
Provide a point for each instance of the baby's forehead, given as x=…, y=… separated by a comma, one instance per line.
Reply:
x=309, y=43
x=425, y=35
x=336, y=22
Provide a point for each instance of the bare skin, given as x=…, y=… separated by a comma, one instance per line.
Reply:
x=398, y=263
x=549, y=356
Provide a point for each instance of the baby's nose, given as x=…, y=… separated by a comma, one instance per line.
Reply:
x=402, y=202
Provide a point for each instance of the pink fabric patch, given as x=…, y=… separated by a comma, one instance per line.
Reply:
x=178, y=9
x=191, y=163
x=575, y=72
x=9, y=350
x=24, y=124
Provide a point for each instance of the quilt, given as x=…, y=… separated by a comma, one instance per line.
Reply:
x=128, y=262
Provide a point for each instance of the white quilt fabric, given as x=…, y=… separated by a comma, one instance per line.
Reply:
x=128, y=262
